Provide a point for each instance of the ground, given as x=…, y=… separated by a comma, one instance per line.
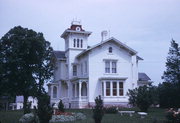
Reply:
x=153, y=114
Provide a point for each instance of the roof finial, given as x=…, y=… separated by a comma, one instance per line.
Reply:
x=76, y=22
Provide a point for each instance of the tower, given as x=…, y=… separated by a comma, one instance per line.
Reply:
x=75, y=37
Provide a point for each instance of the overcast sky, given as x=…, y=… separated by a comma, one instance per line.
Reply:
x=147, y=26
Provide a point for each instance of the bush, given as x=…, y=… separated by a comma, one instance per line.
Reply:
x=172, y=116
x=44, y=110
x=110, y=110
x=29, y=118
x=61, y=106
x=141, y=97
x=98, y=110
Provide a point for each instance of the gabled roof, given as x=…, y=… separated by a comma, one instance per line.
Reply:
x=143, y=77
x=59, y=54
x=122, y=45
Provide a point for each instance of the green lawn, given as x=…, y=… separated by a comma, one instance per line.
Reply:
x=153, y=113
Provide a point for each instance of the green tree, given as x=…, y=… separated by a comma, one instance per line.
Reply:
x=25, y=62
x=170, y=88
x=98, y=111
x=172, y=73
x=44, y=111
x=61, y=106
x=141, y=97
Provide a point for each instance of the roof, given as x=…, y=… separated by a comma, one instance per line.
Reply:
x=59, y=54
x=67, y=31
x=116, y=41
x=143, y=77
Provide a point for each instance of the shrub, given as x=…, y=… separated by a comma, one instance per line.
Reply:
x=29, y=118
x=61, y=106
x=110, y=110
x=172, y=116
x=141, y=97
x=44, y=110
x=98, y=110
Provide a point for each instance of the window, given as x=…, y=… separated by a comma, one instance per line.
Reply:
x=110, y=66
x=85, y=64
x=54, y=92
x=110, y=49
x=107, y=88
x=81, y=68
x=102, y=89
x=113, y=66
x=74, y=70
x=107, y=66
x=121, y=93
x=114, y=88
x=77, y=42
x=73, y=90
x=74, y=43
x=81, y=43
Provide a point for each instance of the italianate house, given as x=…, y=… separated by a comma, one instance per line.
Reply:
x=82, y=72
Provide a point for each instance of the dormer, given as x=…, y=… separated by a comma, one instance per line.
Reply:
x=75, y=37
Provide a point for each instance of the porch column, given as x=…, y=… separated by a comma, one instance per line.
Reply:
x=87, y=85
x=117, y=88
x=104, y=82
x=75, y=90
x=79, y=90
x=111, y=89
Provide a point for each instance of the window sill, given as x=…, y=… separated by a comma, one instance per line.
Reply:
x=111, y=74
x=114, y=96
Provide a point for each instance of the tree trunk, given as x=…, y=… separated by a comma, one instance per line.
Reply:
x=25, y=104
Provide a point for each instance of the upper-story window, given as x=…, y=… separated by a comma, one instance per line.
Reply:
x=107, y=66
x=77, y=42
x=81, y=68
x=81, y=43
x=85, y=64
x=110, y=66
x=74, y=70
x=110, y=49
x=114, y=67
x=74, y=43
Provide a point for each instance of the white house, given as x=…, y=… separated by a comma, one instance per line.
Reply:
x=82, y=73
x=19, y=102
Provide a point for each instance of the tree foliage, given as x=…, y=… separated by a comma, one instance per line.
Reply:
x=98, y=111
x=61, y=106
x=25, y=62
x=44, y=110
x=141, y=97
x=170, y=88
x=172, y=73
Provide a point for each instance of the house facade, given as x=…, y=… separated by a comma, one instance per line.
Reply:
x=82, y=73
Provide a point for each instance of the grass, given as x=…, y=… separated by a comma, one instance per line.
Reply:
x=153, y=113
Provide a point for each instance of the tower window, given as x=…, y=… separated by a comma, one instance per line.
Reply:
x=77, y=42
x=81, y=43
x=74, y=70
x=74, y=43
x=110, y=49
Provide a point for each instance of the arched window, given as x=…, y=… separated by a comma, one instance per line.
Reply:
x=84, y=89
x=110, y=49
x=54, y=92
x=74, y=43
x=77, y=42
x=81, y=43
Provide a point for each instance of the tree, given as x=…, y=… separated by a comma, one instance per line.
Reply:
x=25, y=62
x=170, y=88
x=61, y=106
x=141, y=97
x=172, y=73
x=98, y=112
x=44, y=110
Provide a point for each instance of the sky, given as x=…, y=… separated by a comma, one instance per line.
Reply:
x=147, y=26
